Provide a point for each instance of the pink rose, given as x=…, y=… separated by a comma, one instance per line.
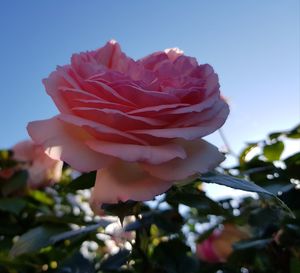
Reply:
x=218, y=246
x=139, y=123
x=42, y=169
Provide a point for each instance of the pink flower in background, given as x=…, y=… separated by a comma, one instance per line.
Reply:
x=42, y=169
x=138, y=123
x=218, y=246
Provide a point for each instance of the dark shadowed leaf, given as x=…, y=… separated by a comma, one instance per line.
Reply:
x=295, y=265
x=252, y=244
x=14, y=205
x=77, y=263
x=167, y=220
x=275, y=135
x=35, y=239
x=16, y=183
x=172, y=256
x=241, y=184
x=114, y=262
x=84, y=181
x=294, y=133
x=293, y=165
x=82, y=231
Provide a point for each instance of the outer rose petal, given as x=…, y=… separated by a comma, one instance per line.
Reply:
x=201, y=157
x=57, y=80
x=124, y=181
x=138, y=153
x=66, y=142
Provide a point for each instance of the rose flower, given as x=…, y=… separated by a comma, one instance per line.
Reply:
x=42, y=169
x=138, y=123
x=218, y=246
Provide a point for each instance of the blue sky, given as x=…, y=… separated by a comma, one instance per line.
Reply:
x=252, y=44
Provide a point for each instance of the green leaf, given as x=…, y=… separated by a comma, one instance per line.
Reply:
x=76, y=263
x=41, y=197
x=169, y=221
x=275, y=135
x=295, y=265
x=14, y=205
x=84, y=181
x=241, y=184
x=264, y=217
x=293, y=165
x=35, y=239
x=246, y=151
x=82, y=231
x=196, y=200
x=64, y=219
x=252, y=244
x=273, y=151
x=294, y=133
x=114, y=262
x=233, y=182
x=173, y=256
x=16, y=183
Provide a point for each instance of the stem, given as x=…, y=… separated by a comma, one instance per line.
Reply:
x=226, y=143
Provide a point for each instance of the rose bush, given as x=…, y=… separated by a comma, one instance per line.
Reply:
x=138, y=123
x=41, y=168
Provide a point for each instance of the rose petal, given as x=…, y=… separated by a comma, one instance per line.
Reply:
x=67, y=142
x=100, y=130
x=143, y=97
x=220, y=108
x=138, y=153
x=153, y=59
x=108, y=93
x=125, y=181
x=157, y=108
x=54, y=82
x=204, y=128
x=198, y=107
x=116, y=119
x=201, y=157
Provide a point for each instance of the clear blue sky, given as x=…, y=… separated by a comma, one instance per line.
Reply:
x=252, y=44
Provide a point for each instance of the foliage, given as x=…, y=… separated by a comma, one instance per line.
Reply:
x=52, y=229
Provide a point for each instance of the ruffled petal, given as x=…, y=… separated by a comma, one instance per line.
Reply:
x=117, y=119
x=66, y=142
x=201, y=158
x=138, y=153
x=202, y=129
x=54, y=82
x=101, y=131
x=124, y=181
